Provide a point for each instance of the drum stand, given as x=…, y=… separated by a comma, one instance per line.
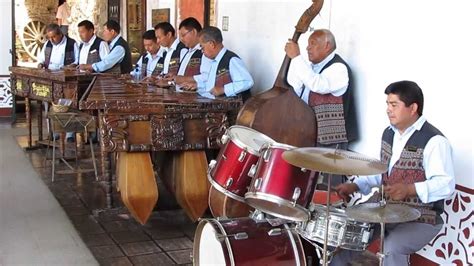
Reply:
x=381, y=254
x=326, y=232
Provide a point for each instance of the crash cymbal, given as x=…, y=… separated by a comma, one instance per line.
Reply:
x=339, y=162
x=377, y=213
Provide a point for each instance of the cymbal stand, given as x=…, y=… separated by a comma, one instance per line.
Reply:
x=381, y=254
x=326, y=232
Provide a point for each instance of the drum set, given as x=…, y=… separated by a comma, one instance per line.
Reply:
x=278, y=181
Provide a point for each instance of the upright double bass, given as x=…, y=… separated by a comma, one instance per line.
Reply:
x=278, y=113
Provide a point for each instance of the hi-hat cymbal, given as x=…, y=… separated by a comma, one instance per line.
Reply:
x=339, y=162
x=377, y=213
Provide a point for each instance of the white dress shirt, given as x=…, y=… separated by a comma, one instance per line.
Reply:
x=152, y=61
x=437, y=162
x=114, y=57
x=241, y=78
x=86, y=46
x=304, y=76
x=169, y=53
x=58, y=52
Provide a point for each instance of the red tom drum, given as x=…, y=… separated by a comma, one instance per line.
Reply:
x=279, y=188
x=228, y=173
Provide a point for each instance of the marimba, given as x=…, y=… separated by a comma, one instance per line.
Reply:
x=47, y=85
x=135, y=119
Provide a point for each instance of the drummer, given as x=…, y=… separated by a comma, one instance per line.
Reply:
x=420, y=174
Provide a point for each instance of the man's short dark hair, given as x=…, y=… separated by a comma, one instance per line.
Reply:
x=112, y=25
x=409, y=92
x=165, y=27
x=211, y=33
x=53, y=27
x=190, y=24
x=86, y=24
x=149, y=35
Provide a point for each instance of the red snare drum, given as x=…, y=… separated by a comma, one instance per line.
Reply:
x=244, y=241
x=229, y=173
x=279, y=188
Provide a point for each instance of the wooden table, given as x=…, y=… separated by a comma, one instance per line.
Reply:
x=135, y=119
x=49, y=86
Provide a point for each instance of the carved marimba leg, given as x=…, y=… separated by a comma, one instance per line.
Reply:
x=138, y=188
x=184, y=174
x=40, y=121
x=28, y=120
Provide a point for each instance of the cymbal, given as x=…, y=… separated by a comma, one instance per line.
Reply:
x=376, y=213
x=339, y=162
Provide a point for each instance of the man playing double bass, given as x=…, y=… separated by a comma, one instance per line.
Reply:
x=325, y=84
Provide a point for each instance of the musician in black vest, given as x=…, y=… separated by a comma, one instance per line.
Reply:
x=92, y=49
x=59, y=50
x=192, y=63
x=148, y=64
x=325, y=84
x=175, y=50
x=119, y=60
x=420, y=174
x=227, y=74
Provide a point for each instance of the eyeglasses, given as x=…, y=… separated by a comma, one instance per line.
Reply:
x=186, y=33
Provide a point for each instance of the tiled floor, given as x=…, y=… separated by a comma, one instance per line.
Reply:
x=113, y=237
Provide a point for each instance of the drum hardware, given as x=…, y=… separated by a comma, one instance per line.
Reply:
x=225, y=138
x=242, y=155
x=258, y=183
x=258, y=216
x=229, y=182
x=212, y=164
x=252, y=170
x=266, y=155
x=296, y=195
x=236, y=236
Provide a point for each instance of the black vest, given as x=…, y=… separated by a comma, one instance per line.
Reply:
x=126, y=64
x=327, y=105
x=409, y=169
x=194, y=64
x=223, y=74
x=93, y=57
x=175, y=59
x=158, y=68
x=69, y=56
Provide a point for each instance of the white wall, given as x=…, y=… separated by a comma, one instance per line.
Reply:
x=155, y=4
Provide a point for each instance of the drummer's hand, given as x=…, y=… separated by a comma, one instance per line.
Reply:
x=345, y=190
x=292, y=49
x=400, y=191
